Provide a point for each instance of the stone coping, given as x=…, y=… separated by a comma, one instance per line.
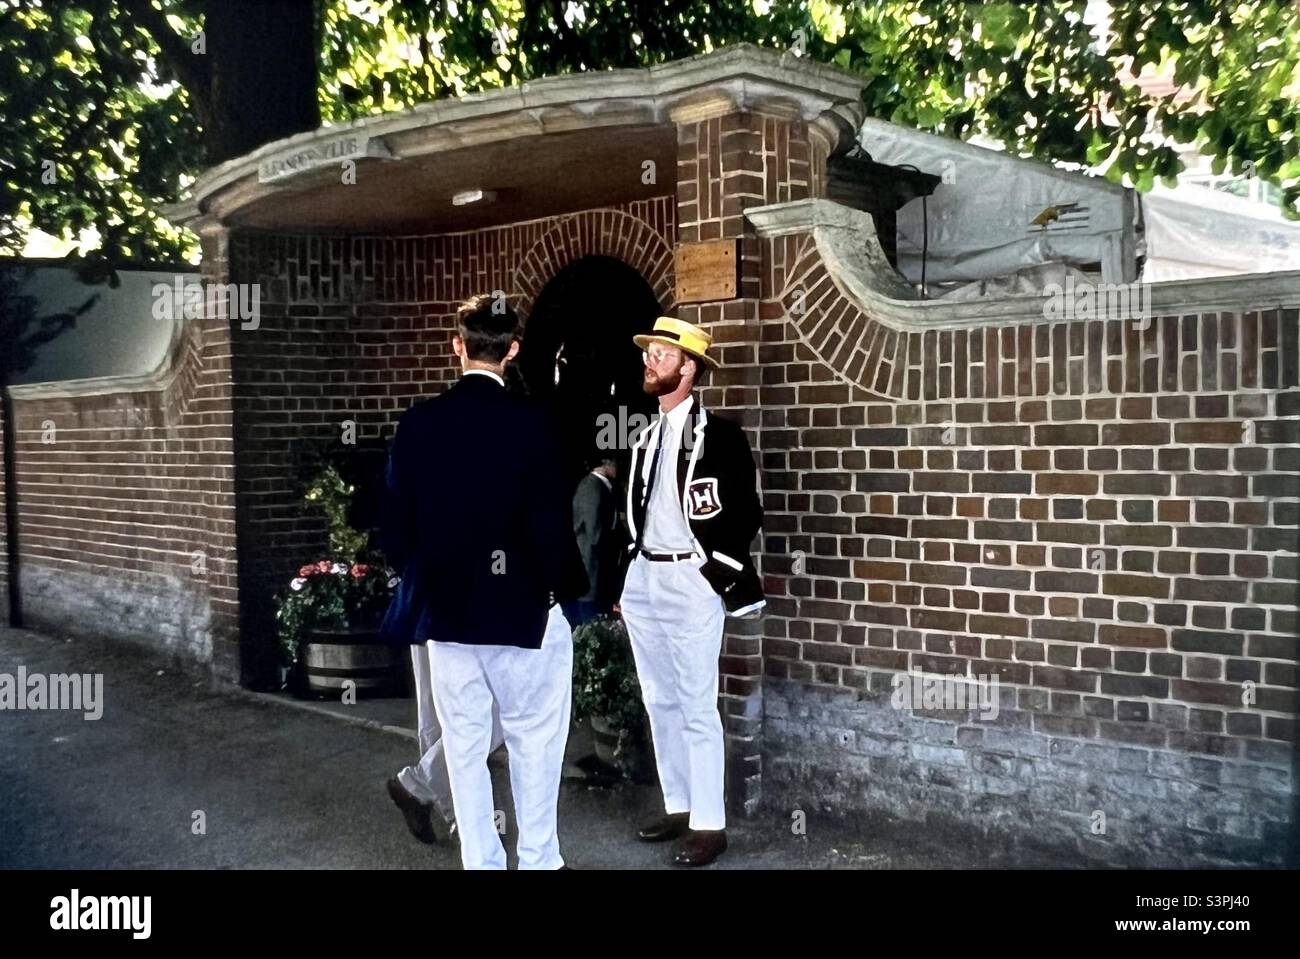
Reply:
x=847, y=242
x=156, y=380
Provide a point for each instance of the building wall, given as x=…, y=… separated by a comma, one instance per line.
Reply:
x=126, y=516
x=355, y=329
x=130, y=516
x=725, y=165
x=1104, y=518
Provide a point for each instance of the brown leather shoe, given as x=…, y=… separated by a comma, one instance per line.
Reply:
x=700, y=847
x=669, y=827
x=418, y=815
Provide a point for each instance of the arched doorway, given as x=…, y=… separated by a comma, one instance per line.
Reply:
x=578, y=357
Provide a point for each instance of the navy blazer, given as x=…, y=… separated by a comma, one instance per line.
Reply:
x=478, y=519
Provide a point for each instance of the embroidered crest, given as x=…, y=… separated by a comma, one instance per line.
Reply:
x=702, y=498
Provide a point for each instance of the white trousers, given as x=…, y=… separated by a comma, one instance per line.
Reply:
x=532, y=688
x=427, y=779
x=675, y=621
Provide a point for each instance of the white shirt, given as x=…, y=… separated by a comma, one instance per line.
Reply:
x=666, y=529
x=494, y=376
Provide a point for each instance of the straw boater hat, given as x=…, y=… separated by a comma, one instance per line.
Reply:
x=685, y=336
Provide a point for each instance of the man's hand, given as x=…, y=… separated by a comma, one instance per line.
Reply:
x=617, y=609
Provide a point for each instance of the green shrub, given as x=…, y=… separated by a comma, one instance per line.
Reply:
x=351, y=587
x=605, y=683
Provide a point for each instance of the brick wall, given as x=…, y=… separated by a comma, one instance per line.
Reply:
x=126, y=525
x=1103, y=517
x=4, y=553
x=725, y=165
x=358, y=328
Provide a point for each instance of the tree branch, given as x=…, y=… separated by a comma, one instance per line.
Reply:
x=192, y=71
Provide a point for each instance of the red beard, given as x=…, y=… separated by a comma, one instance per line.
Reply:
x=656, y=384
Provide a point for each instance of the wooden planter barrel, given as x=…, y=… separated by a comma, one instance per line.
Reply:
x=639, y=766
x=332, y=657
x=604, y=739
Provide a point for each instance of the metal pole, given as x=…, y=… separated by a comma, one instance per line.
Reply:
x=7, y=424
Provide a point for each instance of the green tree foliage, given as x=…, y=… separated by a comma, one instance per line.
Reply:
x=95, y=136
x=112, y=94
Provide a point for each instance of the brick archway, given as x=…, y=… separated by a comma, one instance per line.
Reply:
x=603, y=232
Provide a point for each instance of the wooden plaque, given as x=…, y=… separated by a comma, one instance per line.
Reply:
x=706, y=271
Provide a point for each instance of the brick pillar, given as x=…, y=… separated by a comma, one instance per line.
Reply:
x=730, y=159
x=216, y=470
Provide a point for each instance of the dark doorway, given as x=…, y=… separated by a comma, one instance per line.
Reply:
x=578, y=357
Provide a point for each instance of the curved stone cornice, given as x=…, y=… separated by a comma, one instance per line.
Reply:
x=184, y=345
x=857, y=316
x=736, y=77
x=847, y=243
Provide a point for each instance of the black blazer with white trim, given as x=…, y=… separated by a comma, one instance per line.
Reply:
x=717, y=485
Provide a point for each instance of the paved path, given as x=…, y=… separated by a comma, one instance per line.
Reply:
x=286, y=787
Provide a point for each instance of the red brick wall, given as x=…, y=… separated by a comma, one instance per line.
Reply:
x=725, y=165
x=1105, y=518
x=358, y=328
x=1048, y=497
x=126, y=520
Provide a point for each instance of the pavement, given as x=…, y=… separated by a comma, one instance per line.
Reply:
x=181, y=773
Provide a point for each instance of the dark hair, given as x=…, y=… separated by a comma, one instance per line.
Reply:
x=488, y=325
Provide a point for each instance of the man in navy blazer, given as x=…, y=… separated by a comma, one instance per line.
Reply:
x=479, y=512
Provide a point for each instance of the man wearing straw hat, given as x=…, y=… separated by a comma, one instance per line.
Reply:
x=693, y=510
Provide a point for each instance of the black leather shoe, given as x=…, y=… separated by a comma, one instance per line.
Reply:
x=700, y=847
x=418, y=815
x=669, y=827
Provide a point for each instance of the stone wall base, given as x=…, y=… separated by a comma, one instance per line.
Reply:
x=161, y=613
x=848, y=754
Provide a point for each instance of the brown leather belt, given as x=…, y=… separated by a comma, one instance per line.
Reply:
x=666, y=557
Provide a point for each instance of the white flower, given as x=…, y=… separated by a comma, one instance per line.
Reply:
x=297, y=584
x=392, y=583
x=338, y=568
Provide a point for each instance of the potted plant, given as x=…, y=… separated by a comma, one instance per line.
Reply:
x=329, y=617
x=607, y=693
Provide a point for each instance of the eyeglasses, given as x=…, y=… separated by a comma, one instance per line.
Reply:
x=657, y=357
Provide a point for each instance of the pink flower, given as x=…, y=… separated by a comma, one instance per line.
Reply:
x=306, y=571
x=323, y=566
x=360, y=570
